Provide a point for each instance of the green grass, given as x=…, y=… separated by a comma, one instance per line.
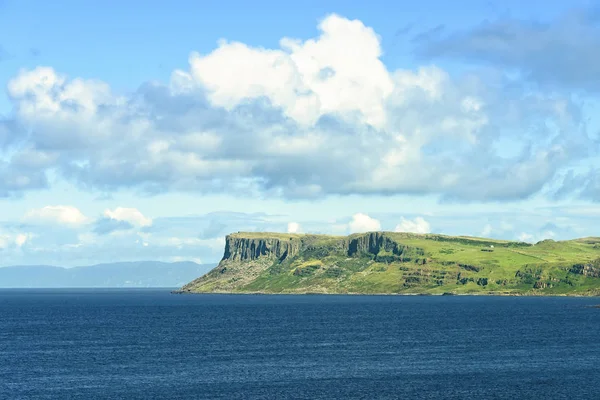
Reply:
x=412, y=263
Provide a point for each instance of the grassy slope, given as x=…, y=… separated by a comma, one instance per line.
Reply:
x=458, y=265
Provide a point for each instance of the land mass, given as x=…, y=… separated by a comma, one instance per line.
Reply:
x=401, y=263
x=122, y=274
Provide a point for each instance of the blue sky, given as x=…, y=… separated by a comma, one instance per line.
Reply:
x=148, y=130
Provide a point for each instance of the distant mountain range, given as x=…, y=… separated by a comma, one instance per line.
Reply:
x=122, y=274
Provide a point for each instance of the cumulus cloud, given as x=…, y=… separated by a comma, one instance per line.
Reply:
x=309, y=118
x=20, y=239
x=65, y=215
x=417, y=225
x=305, y=79
x=131, y=216
x=293, y=227
x=363, y=223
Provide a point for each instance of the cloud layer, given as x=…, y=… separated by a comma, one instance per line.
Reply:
x=308, y=119
x=499, y=112
x=194, y=237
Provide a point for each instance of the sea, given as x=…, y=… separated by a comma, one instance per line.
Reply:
x=151, y=344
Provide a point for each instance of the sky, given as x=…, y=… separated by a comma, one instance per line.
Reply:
x=147, y=130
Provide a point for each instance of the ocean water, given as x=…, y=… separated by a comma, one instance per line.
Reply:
x=144, y=344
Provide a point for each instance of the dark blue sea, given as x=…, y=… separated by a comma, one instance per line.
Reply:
x=150, y=344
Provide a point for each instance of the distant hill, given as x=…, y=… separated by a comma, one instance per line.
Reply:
x=122, y=274
x=403, y=263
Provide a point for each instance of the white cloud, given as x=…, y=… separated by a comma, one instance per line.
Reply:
x=417, y=225
x=308, y=118
x=131, y=215
x=21, y=238
x=180, y=236
x=338, y=72
x=293, y=227
x=363, y=223
x=65, y=215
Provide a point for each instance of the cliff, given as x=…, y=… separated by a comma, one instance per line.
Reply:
x=388, y=262
x=247, y=249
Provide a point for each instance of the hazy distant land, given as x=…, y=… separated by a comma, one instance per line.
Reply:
x=123, y=274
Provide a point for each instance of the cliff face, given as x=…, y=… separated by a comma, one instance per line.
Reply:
x=239, y=248
x=372, y=243
x=248, y=249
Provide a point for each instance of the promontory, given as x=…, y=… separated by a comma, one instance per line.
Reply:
x=401, y=263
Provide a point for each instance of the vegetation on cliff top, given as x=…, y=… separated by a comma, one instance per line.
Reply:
x=402, y=263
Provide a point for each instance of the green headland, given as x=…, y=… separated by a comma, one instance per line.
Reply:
x=402, y=263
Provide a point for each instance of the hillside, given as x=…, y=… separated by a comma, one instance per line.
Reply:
x=402, y=263
x=124, y=274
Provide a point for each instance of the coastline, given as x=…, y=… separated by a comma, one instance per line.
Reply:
x=497, y=294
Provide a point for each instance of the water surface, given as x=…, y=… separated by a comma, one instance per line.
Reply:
x=134, y=344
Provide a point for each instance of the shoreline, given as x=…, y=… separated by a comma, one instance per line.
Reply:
x=491, y=294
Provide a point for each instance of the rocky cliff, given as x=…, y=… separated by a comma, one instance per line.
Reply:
x=375, y=243
x=239, y=248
